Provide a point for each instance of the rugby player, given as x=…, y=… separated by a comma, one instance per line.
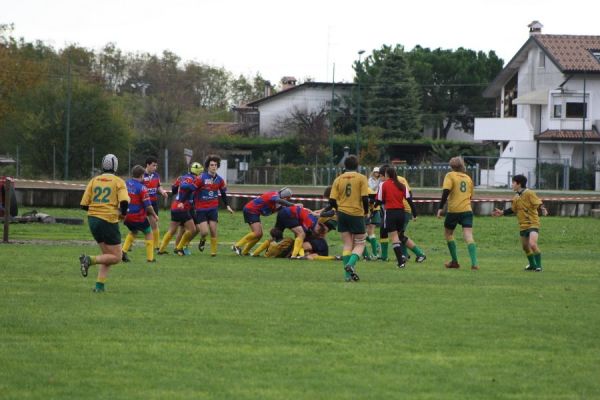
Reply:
x=152, y=183
x=458, y=192
x=106, y=200
x=138, y=213
x=527, y=206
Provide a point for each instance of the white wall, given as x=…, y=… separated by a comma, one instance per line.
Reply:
x=307, y=99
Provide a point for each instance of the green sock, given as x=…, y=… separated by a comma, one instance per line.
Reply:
x=353, y=259
x=538, y=259
x=452, y=247
x=418, y=252
x=405, y=251
x=366, y=253
x=473, y=253
x=99, y=286
x=374, y=246
x=345, y=259
x=531, y=259
x=384, y=250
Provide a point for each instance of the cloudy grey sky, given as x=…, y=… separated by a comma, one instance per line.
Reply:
x=298, y=38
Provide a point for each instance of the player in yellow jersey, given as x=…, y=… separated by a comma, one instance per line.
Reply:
x=350, y=197
x=458, y=191
x=105, y=199
x=526, y=205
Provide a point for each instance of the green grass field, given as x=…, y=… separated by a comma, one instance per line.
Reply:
x=253, y=328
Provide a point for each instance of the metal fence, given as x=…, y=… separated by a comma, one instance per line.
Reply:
x=549, y=174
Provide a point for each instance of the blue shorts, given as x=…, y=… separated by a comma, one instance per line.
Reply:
x=155, y=206
x=205, y=215
x=181, y=216
x=319, y=246
x=139, y=226
x=285, y=220
x=251, y=218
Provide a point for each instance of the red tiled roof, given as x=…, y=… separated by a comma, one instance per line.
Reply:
x=569, y=134
x=571, y=52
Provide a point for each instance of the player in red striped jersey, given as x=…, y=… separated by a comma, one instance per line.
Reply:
x=265, y=205
x=139, y=208
x=211, y=186
x=152, y=183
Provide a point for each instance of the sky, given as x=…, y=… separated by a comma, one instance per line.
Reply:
x=304, y=39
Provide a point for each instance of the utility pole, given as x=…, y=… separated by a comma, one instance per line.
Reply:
x=68, y=117
x=360, y=53
x=331, y=110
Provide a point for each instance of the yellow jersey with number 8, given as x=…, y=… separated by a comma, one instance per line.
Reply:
x=103, y=195
x=460, y=186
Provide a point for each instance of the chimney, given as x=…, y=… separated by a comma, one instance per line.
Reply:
x=287, y=82
x=267, y=88
x=535, y=28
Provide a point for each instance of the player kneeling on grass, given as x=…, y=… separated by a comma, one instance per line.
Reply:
x=276, y=246
x=315, y=245
x=105, y=199
x=265, y=205
x=526, y=204
x=140, y=207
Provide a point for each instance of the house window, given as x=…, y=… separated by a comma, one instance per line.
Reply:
x=541, y=59
x=557, y=111
x=596, y=53
x=576, y=110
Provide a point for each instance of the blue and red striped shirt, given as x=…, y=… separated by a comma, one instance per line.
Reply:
x=265, y=204
x=138, y=201
x=186, y=186
x=304, y=217
x=152, y=183
x=206, y=196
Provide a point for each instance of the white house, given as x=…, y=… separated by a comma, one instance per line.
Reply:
x=548, y=105
x=307, y=97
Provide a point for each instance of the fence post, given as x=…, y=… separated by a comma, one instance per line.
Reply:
x=566, y=173
x=514, y=169
x=7, y=206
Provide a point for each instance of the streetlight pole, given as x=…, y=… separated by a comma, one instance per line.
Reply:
x=360, y=53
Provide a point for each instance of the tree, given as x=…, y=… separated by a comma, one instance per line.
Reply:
x=310, y=128
x=451, y=83
x=390, y=93
x=38, y=125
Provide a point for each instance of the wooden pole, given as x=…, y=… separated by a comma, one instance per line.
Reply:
x=7, y=206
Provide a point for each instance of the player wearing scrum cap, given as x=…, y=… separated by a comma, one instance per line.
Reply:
x=106, y=200
x=265, y=204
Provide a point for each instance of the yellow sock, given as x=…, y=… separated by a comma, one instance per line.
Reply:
x=128, y=242
x=245, y=239
x=101, y=280
x=297, y=246
x=185, y=240
x=213, y=245
x=149, y=249
x=324, y=258
x=249, y=245
x=165, y=241
x=263, y=246
x=93, y=260
x=156, y=237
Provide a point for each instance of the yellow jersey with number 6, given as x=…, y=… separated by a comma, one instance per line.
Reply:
x=103, y=195
x=348, y=190
x=460, y=186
